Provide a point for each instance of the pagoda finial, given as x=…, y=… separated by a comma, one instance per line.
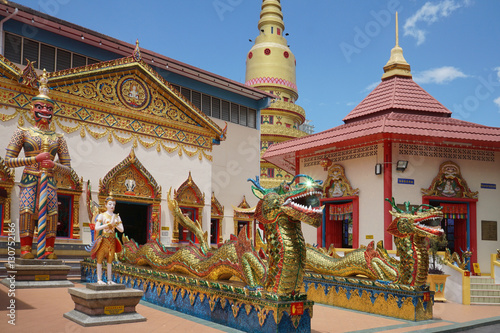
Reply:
x=137, y=51
x=397, y=65
x=271, y=19
x=397, y=30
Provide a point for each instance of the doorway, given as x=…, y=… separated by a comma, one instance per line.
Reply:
x=135, y=218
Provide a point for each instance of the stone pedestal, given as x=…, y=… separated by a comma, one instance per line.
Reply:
x=37, y=273
x=227, y=303
x=104, y=305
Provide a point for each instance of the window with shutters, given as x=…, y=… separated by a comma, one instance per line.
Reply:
x=63, y=60
x=30, y=51
x=243, y=115
x=78, y=60
x=225, y=110
x=206, y=104
x=48, y=57
x=215, y=107
x=235, y=113
x=17, y=49
x=186, y=93
x=196, y=99
x=12, y=47
x=252, y=118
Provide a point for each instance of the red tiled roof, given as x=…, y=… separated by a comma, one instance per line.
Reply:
x=395, y=125
x=397, y=93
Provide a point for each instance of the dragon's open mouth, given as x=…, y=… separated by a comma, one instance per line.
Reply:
x=306, y=202
x=430, y=224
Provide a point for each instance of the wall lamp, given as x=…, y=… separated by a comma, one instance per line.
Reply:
x=401, y=165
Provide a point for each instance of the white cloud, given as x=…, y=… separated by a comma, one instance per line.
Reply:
x=497, y=101
x=497, y=69
x=439, y=75
x=430, y=13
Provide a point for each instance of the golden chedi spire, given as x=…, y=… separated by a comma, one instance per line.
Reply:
x=270, y=66
x=397, y=65
x=270, y=61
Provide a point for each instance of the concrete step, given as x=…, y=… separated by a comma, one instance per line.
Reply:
x=485, y=292
x=481, y=280
x=484, y=286
x=74, y=263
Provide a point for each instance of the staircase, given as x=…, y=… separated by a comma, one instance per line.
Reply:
x=484, y=291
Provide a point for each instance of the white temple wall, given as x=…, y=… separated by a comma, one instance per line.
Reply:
x=234, y=161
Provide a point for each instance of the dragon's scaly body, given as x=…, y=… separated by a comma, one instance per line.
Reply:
x=410, y=228
x=280, y=210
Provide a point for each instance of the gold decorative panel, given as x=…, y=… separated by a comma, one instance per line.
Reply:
x=6, y=185
x=130, y=181
x=124, y=100
x=449, y=183
x=188, y=195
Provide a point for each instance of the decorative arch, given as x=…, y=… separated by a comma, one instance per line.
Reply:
x=191, y=202
x=131, y=182
x=243, y=217
x=450, y=191
x=337, y=185
x=69, y=190
x=340, y=225
x=217, y=215
x=449, y=183
x=6, y=185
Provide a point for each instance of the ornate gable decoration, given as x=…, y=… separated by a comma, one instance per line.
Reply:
x=8, y=69
x=337, y=185
x=69, y=182
x=449, y=183
x=28, y=76
x=123, y=100
x=132, y=85
x=189, y=194
x=130, y=179
x=217, y=209
x=244, y=210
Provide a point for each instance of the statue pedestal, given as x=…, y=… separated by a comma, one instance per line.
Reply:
x=37, y=273
x=104, y=305
x=392, y=300
x=227, y=303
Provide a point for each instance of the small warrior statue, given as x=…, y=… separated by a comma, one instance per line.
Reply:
x=107, y=244
x=38, y=191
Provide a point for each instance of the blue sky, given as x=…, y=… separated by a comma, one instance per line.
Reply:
x=341, y=46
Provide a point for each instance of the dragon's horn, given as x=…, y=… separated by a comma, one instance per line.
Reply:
x=256, y=183
x=393, y=204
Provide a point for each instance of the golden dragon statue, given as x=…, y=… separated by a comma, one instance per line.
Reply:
x=454, y=258
x=410, y=229
x=279, y=272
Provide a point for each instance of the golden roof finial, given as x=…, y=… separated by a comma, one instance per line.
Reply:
x=43, y=89
x=397, y=30
x=137, y=51
x=397, y=65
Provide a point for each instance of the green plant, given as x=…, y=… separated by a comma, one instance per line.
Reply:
x=435, y=261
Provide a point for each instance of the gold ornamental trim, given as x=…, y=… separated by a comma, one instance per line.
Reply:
x=287, y=106
x=280, y=130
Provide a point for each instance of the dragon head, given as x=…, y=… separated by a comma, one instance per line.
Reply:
x=419, y=221
x=299, y=201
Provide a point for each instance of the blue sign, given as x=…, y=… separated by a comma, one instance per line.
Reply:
x=406, y=181
x=489, y=186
